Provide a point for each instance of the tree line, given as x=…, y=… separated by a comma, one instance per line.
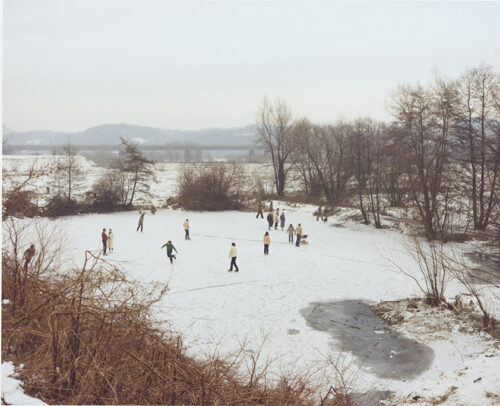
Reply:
x=440, y=154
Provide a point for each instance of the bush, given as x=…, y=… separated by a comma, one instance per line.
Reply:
x=212, y=186
x=106, y=192
x=59, y=206
x=19, y=204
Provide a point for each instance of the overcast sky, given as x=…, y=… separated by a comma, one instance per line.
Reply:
x=72, y=64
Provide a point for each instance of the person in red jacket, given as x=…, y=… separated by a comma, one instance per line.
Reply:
x=104, y=241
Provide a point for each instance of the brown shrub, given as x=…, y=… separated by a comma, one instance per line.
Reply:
x=59, y=206
x=19, y=203
x=212, y=186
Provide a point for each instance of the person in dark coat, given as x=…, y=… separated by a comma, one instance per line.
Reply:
x=270, y=218
x=282, y=220
x=104, y=241
x=28, y=256
x=291, y=232
x=319, y=213
x=141, y=222
x=259, y=211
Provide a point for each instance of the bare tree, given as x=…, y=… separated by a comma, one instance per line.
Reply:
x=68, y=172
x=433, y=271
x=479, y=139
x=327, y=150
x=361, y=155
x=274, y=123
x=367, y=143
x=303, y=131
x=424, y=117
x=395, y=180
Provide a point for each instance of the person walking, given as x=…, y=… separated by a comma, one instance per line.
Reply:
x=186, y=229
x=233, y=253
x=104, y=241
x=270, y=218
x=259, y=211
x=110, y=240
x=319, y=213
x=28, y=256
x=276, y=218
x=299, y=235
x=271, y=206
x=282, y=220
x=141, y=221
x=290, y=231
x=267, y=241
x=170, y=249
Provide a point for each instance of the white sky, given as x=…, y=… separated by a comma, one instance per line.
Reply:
x=73, y=64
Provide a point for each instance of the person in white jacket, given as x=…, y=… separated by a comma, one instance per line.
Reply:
x=186, y=229
x=233, y=253
x=110, y=240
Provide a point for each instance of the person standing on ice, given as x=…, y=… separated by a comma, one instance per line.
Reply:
x=259, y=211
x=104, y=241
x=267, y=241
x=276, y=218
x=319, y=213
x=186, y=229
x=170, y=249
x=271, y=206
x=270, y=220
x=282, y=220
x=299, y=234
x=110, y=240
x=233, y=253
x=141, y=221
x=290, y=231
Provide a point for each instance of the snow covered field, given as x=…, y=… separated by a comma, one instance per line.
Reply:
x=213, y=308
x=266, y=302
x=16, y=167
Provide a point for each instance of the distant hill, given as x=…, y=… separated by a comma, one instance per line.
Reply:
x=110, y=134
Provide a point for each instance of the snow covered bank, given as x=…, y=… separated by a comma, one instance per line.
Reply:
x=12, y=392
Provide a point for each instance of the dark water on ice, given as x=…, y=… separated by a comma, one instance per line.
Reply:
x=358, y=330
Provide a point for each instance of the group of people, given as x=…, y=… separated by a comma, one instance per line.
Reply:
x=274, y=217
x=107, y=241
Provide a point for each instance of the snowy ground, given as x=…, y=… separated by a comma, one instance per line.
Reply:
x=214, y=308
x=12, y=392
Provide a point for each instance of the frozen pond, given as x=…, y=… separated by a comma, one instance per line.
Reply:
x=281, y=304
x=383, y=352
